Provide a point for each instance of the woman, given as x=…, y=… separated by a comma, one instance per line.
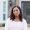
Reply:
x=15, y=21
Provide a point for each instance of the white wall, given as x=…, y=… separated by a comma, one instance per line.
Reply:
x=22, y=0
x=1, y=10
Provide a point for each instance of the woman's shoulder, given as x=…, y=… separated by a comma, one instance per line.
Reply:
x=8, y=20
x=24, y=20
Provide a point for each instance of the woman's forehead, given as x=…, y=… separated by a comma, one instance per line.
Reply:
x=15, y=8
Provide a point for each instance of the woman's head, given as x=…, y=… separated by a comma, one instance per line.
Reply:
x=16, y=11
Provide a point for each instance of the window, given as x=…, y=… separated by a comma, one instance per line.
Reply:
x=25, y=5
x=4, y=16
x=4, y=10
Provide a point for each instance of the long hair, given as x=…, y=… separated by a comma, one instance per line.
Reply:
x=12, y=16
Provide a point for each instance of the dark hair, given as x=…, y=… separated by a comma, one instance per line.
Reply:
x=12, y=16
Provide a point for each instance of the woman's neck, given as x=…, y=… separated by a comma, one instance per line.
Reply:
x=17, y=18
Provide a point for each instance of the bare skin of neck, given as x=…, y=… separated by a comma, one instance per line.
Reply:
x=17, y=18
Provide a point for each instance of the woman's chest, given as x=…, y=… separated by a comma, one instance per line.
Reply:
x=15, y=26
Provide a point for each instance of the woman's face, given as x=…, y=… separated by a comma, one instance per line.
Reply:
x=16, y=11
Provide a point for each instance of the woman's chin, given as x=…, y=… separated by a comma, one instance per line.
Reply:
x=16, y=15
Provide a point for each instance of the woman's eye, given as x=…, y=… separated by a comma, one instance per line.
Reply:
x=16, y=10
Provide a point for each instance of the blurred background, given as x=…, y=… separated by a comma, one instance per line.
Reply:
x=5, y=9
